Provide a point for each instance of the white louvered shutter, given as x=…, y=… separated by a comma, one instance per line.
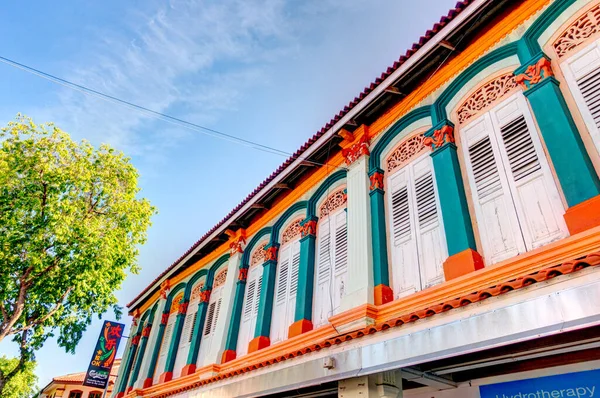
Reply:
x=582, y=72
x=431, y=239
x=340, y=258
x=293, y=290
x=534, y=191
x=164, y=347
x=281, y=295
x=210, y=323
x=517, y=202
x=249, y=310
x=322, y=297
x=405, y=277
x=186, y=338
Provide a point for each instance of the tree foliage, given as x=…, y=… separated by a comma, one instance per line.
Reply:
x=23, y=384
x=71, y=222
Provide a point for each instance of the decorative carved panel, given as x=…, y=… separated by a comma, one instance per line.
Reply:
x=291, y=231
x=578, y=32
x=176, y=302
x=333, y=202
x=220, y=278
x=259, y=255
x=405, y=152
x=485, y=96
x=195, y=296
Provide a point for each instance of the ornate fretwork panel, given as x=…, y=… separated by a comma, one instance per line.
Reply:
x=259, y=255
x=407, y=150
x=333, y=202
x=578, y=32
x=195, y=296
x=176, y=303
x=220, y=278
x=292, y=231
x=486, y=96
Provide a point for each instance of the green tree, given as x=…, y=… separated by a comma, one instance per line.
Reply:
x=23, y=383
x=71, y=223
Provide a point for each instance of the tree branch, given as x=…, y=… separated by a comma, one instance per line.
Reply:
x=43, y=319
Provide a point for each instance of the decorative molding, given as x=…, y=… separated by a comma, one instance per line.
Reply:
x=205, y=295
x=291, y=231
x=243, y=274
x=259, y=255
x=136, y=317
x=358, y=149
x=440, y=137
x=376, y=181
x=535, y=73
x=485, y=96
x=176, y=302
x=407, y=150
x=164, y=289
x=164, y=318
x=236, y=245
x=584, y=27
x=309, y=228
x=333, y=202
x=182, y=310
x=196, y=291
x=146, y=331
x=271, y=254
x=220, y=278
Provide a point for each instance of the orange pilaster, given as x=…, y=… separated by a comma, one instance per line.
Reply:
x=258, y=343
x=383, y=294
x=462, y=263
x=299, y=327
x=228, y=355
x=166, y=376
x=188, y=369
x=583, y=216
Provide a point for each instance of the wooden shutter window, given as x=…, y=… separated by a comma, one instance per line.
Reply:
x=295, y=270
x=209, y=318
x=401, y=215
x=589, y=85
x=485, y=169
x=282, y=280
x=519, y=148
x=341, y=244
x=191, y=332
x=257, y=297
x=324, y=257
x=249, y=299
x=426, y=205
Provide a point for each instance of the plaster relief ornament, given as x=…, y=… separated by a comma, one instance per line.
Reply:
x=535, y=73
x=272, y=253
x=406, y=151
x=333, y=202
x=259, y=256
x=220, y=278
x=376, y=180
x=165, y=287
x=486, y=96
x=357, y=150
x=578, y=32
x=440, y=137
x=243, y=274
x=291, y=232
x=309, y=228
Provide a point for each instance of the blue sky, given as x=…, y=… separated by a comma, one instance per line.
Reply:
x=271, y=71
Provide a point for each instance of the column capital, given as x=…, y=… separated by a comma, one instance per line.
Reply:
x=237, y=240
x=271, y=252
x=376, y=179
x=164, y=318
x=182, y=310
x=243, y=274
x=355, y=145
x=146, y=331
x=136, y=317
x=165, y=287
x=308, y=227
x=205, y=295
x=136, y=339
x=537, y=70
x=439, y=136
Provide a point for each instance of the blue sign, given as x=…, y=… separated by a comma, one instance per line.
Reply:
x=578, y=385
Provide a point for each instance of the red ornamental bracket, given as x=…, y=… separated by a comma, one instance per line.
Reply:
x=271, y=254
x=376, y=181
x=182, y=310
x=357, y=150
x=164, y=289
x=205, y=296
x=440, y=137
x=535, y=73
x=309, y=228
x=146, y=331
x=243, y=275
x=164, y=318
x=236, y=246
x=135, y=340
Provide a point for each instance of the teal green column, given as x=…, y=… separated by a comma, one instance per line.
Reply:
x=141, y=352
x=451, y=192
x=571, y=161
x=236, y=314
x=128, y=364
x=265, y=309
x=306, y=274
x=170, y=363
x=159, y=337
x=381, y=274
x=192, y=358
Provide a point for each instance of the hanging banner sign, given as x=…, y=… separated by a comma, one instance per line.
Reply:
x=578, y=385
x=105, y=353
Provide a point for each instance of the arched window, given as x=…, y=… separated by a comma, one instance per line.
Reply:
x=212, y=313
x=578, y=51
x=75, y=394
x=286, y=283
x=95, y=394
x=332, y=257
x=251, y=298
x=517, y=204
x=415, y=229
x=188, y=329
x=168, y=334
